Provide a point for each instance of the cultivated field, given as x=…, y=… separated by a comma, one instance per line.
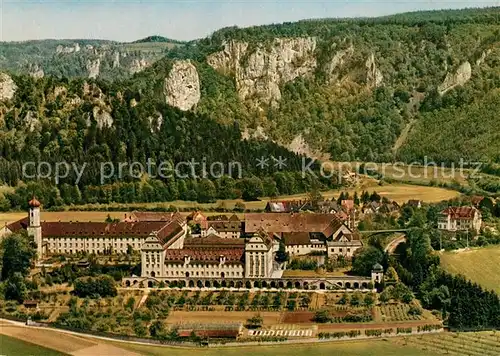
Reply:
x=423, y=175
x=12, y=346
x=181, y=317
x=481, y=265
x=485, y=343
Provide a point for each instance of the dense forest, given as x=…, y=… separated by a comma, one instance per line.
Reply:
x=150, y=132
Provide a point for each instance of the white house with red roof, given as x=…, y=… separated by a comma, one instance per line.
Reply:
x=460, y=218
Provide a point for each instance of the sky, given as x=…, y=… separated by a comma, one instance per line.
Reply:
x=129, y=20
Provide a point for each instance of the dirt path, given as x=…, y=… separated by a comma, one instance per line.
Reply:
x=402, y=138
x=61, y=340
x=144, y=298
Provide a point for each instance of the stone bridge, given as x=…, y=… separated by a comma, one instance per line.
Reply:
x=368, y=233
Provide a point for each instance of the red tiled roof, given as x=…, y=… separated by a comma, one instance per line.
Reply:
x=460, y=212
x=164, y=230
x=347, y=204
x=232, y=255
x=296, y=238
x=90, y=229
x=212, y=241
x=220, y=217
x=226, y=226
x=285, y=206
x=169, y=231
x=350, y=236
x=155, y=216
x=477, y=199
x=18, y=225
x=295, y=222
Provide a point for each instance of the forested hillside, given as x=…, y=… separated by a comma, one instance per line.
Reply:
x=393, y=88
x=344, y=87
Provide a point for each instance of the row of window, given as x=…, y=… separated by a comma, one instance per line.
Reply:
x=121, y=239
x=55, y=245
x=152, y=266
x=204, y=274
x=340, y=250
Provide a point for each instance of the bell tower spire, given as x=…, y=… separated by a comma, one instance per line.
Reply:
x=34, y=227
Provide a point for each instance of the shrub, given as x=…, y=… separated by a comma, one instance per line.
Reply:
x=95, y=287
x=376, y=332
x=415, y=310
x=403, y=331
x=322, y=316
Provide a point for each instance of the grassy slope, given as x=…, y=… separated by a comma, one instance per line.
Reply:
x=479, y=265
x=11, y=346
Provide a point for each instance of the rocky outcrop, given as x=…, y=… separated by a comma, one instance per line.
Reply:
x=461, y=76
x=59, y=90
x=116, y=59
x=257, y=134
x=339, y=59
x=261, y=70
x=7, y=87
x=36, y=71
x=138, y=65
x=374, y=76
x=66, y=50
x=155, y=122
x=93, y=67
x=182, y=86
x=102, y=117
x=30, y=121
x=481, y=59
x=301, y=147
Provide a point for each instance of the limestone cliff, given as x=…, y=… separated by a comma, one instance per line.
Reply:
x=93, y=67
x=374, y=76
x=102, y=117
x=461, y=76
x=338, y=60
x=31, y=121
x=7, y=87
x=138, y=65
x=116, y=60
x=36, y=71
x=155, y=122
x=261, y=70
x=182, y=86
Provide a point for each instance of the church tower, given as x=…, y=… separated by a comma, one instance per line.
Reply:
x=34, y=227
